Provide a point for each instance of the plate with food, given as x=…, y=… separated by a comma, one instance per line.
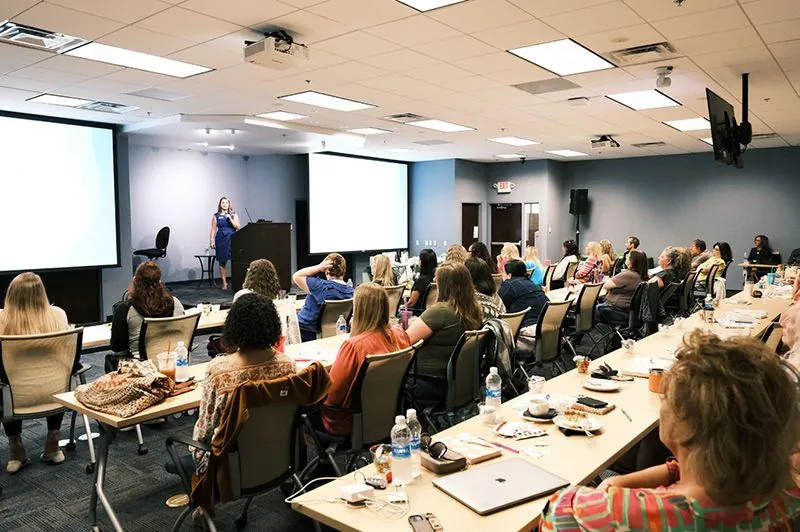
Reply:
x=577, y=420
x=601, y=385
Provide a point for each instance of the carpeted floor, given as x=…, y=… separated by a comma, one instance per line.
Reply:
x=56, y=498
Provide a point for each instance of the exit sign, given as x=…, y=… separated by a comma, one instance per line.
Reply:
x=503, y=187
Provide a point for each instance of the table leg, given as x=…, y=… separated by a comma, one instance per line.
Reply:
x=211, y=260
x=108, y=435
x=202, y=272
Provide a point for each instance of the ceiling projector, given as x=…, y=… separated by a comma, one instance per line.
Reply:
x=604, y=142
x=276, y=50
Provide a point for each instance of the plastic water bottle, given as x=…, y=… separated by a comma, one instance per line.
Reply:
x=493, y=385
x=181, y=363
x=341, y=325
x=401, y=452
x=416, y=431
x=708, y=308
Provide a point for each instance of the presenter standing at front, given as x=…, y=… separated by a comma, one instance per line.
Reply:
x=223, y=224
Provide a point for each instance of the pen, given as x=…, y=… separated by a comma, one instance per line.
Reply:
x=501, y=446
x=624, y=413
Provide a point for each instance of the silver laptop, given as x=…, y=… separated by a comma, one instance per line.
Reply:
x=498, y=485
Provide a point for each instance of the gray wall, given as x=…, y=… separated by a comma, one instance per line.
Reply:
x=431, y=205
x=472, y=186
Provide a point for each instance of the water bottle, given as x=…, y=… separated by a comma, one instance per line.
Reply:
x=181, y=363
x=416, y=431
x=341, y=325
x=493, y=385
x=401, y=452
x=708, y=308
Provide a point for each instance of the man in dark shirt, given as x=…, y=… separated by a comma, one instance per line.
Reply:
x=518, y=292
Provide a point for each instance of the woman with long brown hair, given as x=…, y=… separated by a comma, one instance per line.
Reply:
x=146, y=298
x=370, y=334
x=441, y=326
x=262, y=278
x=224, y=223
x=28, y=311
x=382, y=272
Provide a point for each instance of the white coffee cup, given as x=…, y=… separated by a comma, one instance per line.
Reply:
x=538, y=407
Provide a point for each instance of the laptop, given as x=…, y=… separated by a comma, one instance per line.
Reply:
x=499, y=485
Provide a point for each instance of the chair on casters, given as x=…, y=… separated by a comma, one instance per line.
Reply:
x=686, y=299
x=431, y=295
x=548, y=276
x=772, y=337
x=498, y=279
x=572, y=267
x=377, y=399
x=395, y=294
x=629, y=331
x=584, y=314
x=548, y=336
x=35, y=367
x=617, y=266
x=162, y=240
x=329, y=315
x=514, y=321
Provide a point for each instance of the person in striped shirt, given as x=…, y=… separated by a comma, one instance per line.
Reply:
x=730, y=413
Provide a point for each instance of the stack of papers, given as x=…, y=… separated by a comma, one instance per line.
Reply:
x=640, y=367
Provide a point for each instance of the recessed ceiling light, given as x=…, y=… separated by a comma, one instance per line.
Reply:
x=568, y=153
x=562, y=57
x=327, y=101
x=510, y=156
x=440, y=125
x=369, y=131
x=427, y=5
x=640, y=100
x=514, y=141
x=401, y=150
x=708, y=140
x=283, y=116
x=138, y=60
x=54, y=99
x=690, y=124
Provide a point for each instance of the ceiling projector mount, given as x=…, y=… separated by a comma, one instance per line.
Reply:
x=604, y=142
x=276, y=50
x=663, y=80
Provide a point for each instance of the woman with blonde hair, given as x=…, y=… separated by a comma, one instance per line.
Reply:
x=370, y=335
x=382, y=272
x=508, y=252
x=441, y=326
x=28, y=311
x=584, y=272
x=456, y=253
x=730, y=416
x=607, y=255
x=262, y=278
x=532, y=262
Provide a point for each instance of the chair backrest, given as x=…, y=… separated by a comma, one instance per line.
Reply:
x=378, y=394
x=572, y=267
x=723, y=273
x=549, y=329
x=548, y=276
x=687, y=291
x=36, y=367
x=634, y=313
x=329, y=315
x=711, y=279
x=159, y=334
x=514, y=320
x=617, y=266
x=528, y=272
x=772, y=336
x=395, y=294
x=463, y=369
x=432, y=295
x=162, y=238
x=585, y=305
x=668, y=291
x=498, y=279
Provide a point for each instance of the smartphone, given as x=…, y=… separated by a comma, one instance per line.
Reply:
x=419, y=523
x=434, y=522
x=591, y=403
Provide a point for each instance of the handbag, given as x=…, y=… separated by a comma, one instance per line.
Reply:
x=449, y=463
x=135, y=386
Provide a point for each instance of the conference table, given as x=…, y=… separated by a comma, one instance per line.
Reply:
x=323, y=350
x=579, y=459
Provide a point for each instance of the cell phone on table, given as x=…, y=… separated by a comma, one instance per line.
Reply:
x=591, y=403
x=419, y=523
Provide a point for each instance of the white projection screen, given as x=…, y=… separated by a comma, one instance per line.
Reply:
x=356, y=204
x=58, y=188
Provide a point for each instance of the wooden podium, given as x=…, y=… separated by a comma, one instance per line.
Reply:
x=262, y=240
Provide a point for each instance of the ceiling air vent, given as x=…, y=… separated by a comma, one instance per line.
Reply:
x=109, y=107
x=547, y=85
x=432, y=142
x=21, y=35
x=404, y=118
x=646, y=53
x=657, y=144
x=159, y=94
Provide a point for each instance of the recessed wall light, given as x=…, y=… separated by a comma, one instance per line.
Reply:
x=689, y=124
x=564, y=57
x=568, y=153
x=369, y=131
x=283, y=116
x=510, y=156
x=138, y=60
x=54, y=99
x=514, y=141
x=327, y=101
x=427, y=5
x=440, y=125
x=641, y=100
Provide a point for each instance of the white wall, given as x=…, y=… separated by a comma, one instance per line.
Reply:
x=116, y=280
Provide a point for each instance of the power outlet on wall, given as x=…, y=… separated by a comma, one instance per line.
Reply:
x=444, y=243
x=434, y=242
x=417, y=243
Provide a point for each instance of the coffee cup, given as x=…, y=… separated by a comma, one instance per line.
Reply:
x=538, y=407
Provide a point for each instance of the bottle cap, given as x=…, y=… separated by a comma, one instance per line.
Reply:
x=181, y=344
x=493, y=371
x=411, y=413
x=399, y=419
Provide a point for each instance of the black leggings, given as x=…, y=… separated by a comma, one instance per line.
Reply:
x=14, y=428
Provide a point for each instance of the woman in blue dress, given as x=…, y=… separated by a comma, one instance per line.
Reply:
x=223, y=224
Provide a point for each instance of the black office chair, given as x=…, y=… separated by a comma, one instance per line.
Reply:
x=162, y=240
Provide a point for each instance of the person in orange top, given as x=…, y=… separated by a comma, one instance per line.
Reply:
x=370, y=335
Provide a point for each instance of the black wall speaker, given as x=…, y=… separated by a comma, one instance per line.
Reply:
x=579, y=201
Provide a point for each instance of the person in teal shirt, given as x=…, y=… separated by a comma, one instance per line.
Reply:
x=532, y=261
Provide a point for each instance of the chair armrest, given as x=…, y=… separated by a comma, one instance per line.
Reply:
x=173, y=454
x=171, y=440
x=83, y=369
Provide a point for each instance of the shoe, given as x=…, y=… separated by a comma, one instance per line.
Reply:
x=52, y=454
x=17, y=456
x=53, y=458
x=14, y=466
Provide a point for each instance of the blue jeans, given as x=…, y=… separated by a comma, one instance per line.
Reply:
x=612, y=315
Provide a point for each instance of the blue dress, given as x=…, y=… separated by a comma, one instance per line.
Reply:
x=222, y=240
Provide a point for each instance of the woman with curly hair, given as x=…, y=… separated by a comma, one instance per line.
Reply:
x=262, y=278
x=675, y=263
x=456, y=253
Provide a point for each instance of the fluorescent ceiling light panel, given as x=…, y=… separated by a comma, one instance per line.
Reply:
x=264, y=123
x=369, y=131
x=440, y=125
x=708, y=140
x=138, y=60
x=53, y=99
x=510, y=156
x=283, y=116
x=514, y=141
x=427, y=5
x=690, y=124
x=327, y=101
x=568, y=153
x=641, y=100
x=562, y=57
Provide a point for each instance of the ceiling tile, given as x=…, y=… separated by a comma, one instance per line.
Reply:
x=653, y=11
x=127, y=12
x=45, y=74
x=138, y=77
x=438, y=73
x=524, y=74
x=356, y=45
x=19, y=56
x=302, y=4
x=518, y=35
x=202, y=54
x=307, y=27
x=105, y=88
x=391, y=82
x=185, y=24
x=11, y=8
x=418, y=29
x=401, y=60
x=787, y=53
x=424, y=91
x=27, y=84
x=77, y=65
x=714, y=21
x=68, y=21
x=477, y=15
x=469, y=84
x=749, y=55
x=353, y=71
x=142, y=40
x=355, y=14
x=627, y=37
x=8, y=94
x=587, y=21
x=486, y=64
x=241, y=12
x=234, y=42
x=457, y=48
x=719, y=42
x=767, y=11
x=546, y=8
x=780, y=31
x=601, y=77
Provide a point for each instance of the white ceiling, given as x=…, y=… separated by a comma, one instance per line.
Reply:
x=448, y=64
